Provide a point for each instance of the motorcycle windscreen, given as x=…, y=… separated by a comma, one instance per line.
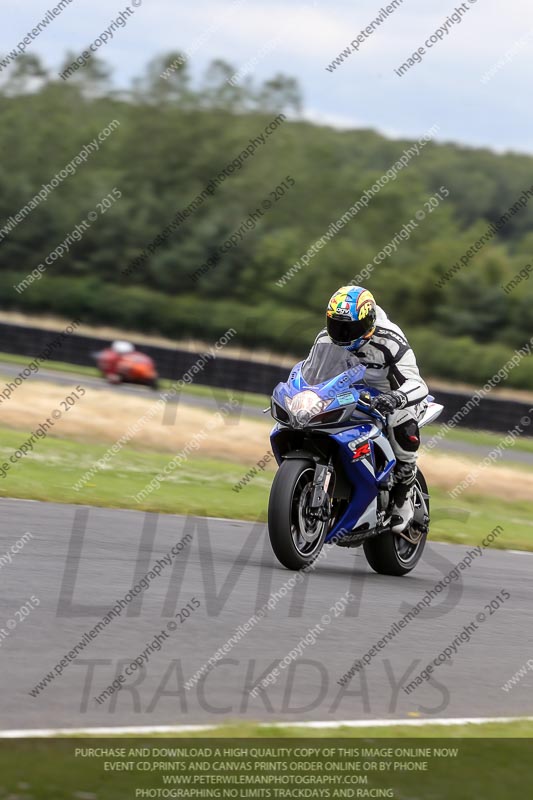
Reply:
x=327, y=360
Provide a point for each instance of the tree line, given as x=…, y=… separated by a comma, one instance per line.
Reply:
x=218, y=202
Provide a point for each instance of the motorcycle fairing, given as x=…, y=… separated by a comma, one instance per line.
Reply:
x=364, y=451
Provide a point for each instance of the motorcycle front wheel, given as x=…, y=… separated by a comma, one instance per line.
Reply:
x=295, y=536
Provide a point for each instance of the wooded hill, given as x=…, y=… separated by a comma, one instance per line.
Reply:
x=228, y=234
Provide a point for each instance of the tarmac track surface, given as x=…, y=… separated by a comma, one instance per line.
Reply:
x=81, y=560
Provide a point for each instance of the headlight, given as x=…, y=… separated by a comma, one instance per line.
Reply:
x=306, y=405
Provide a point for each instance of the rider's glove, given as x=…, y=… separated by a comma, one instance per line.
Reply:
x=387, y=402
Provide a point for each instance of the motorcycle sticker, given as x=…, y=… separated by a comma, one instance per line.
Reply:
x=345, y=398
x=361, y=451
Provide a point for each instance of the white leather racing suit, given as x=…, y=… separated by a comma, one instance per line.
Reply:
x=391, y=365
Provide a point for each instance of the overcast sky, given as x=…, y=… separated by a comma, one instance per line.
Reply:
x=304, y=37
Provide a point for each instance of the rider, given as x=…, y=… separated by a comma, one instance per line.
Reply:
x=121, y=347
x=109, y=359
x=355, y=322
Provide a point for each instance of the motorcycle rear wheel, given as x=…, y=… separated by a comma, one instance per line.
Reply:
x=296, y=538
x=391, y=554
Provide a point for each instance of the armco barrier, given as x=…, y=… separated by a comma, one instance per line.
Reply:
x=222, y=372
x=238, y=374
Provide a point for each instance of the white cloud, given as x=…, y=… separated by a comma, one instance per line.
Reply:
x=363, y=91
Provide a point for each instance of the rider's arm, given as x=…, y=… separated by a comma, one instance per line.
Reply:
x=404, y=376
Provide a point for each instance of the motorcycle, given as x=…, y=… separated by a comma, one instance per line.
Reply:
x=336, y=468
x=132, y=367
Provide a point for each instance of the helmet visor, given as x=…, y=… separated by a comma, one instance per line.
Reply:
x=344, y=331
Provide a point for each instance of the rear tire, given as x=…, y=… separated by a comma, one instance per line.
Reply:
x=296, y=541
x=391, y=554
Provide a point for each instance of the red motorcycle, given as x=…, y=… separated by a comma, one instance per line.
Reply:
x=121, y=363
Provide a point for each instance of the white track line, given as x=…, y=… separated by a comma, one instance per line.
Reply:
x=359, y=723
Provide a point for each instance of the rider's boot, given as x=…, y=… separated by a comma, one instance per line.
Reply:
x=402, y=497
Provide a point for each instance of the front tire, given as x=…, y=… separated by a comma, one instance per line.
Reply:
x=296, y=539
x=391, y=554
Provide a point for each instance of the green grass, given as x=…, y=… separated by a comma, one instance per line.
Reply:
x=205, y=487
x=59, y=366
x=484, y=439
x=55, y=465
x=490, y=761
x=517, y=729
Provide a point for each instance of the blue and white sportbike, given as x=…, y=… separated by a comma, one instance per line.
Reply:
x=336, y=469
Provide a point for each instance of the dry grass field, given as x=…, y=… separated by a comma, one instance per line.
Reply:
x=103, y=416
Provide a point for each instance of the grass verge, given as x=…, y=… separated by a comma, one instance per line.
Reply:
x=489, y=761
x=517, y=729
x=483, y=439
x=206, y=487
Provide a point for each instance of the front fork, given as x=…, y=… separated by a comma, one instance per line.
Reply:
x=320, y=502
